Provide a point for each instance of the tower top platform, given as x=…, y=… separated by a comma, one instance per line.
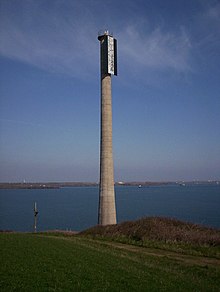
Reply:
x=104, y=32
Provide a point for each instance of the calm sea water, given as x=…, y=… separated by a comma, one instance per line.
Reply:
x=76, y=208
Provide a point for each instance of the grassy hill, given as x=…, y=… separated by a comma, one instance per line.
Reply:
x=164, y=233
x=111, y=258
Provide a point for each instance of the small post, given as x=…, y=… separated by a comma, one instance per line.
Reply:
x=35, y=217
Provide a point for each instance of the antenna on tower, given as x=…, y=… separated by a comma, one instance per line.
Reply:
x=35, y=216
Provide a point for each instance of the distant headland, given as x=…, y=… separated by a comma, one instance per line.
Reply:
x=140, y=184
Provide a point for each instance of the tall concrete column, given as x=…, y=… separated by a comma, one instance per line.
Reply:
x=107, y=210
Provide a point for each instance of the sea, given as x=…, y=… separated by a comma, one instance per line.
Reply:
x=76, y=208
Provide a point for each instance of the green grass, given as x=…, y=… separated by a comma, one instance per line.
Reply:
x=46, y=262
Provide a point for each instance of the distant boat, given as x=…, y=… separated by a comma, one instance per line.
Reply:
x=140, y=186
x=182, y=185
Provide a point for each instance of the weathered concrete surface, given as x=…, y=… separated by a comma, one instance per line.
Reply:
x=107, y=210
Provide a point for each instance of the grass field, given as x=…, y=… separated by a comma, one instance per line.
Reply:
x=57, y=262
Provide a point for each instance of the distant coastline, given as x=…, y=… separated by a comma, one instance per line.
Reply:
x=57, y=185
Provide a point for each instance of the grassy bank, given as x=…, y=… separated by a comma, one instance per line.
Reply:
x=68, y=262
x=162, y=233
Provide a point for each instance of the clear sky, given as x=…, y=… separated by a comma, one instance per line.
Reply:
x=166, y=97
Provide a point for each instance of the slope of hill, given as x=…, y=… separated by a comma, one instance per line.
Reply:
x=166, y=233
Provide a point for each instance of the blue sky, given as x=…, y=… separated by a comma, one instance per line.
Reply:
x=166, y=97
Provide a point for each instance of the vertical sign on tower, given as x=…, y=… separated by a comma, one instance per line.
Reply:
x=107, y=209
x=110, y=55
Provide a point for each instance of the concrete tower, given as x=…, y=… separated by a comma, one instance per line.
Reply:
x=108, y=60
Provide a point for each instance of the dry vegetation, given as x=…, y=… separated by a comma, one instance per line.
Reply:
x=158, y=229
